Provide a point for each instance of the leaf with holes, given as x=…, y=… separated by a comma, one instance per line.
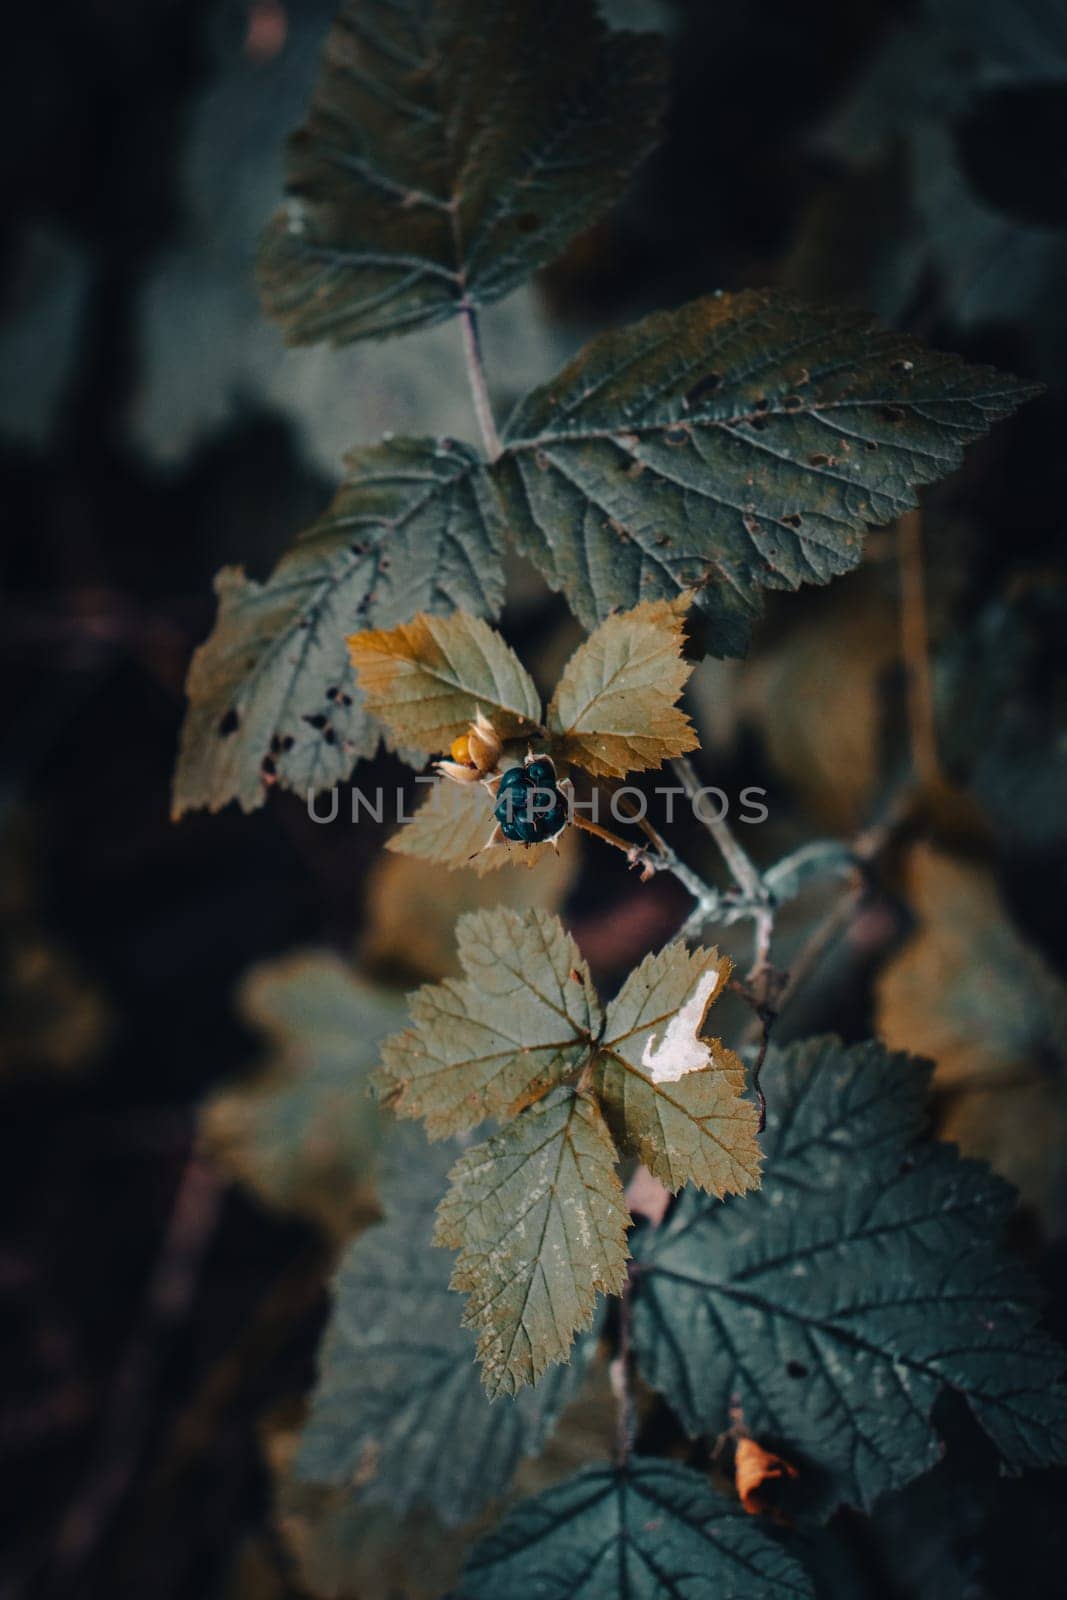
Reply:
x=634, y=1532
x=674, y=1100
x=538, y=1218
x=304, y=1133
x=427, y=678
x=614, y=708
x=398, y=1412
x=740, y=443
x=453, y=147
x=866, y=1276
x=272, y=695
x=521, y=1019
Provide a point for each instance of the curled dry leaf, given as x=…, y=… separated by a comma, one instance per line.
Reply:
x=753, y=1467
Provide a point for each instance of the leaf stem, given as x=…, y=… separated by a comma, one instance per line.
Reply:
x=915, y=648
x=483, y=409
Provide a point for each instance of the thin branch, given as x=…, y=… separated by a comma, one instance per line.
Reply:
x=483, y=409
x=663, y=858
x=915, y=649
x=743, y=869
x=634, y=853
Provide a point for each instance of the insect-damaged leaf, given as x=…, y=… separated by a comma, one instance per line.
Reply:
x=272, y=695
x=398, y=1412
x=427, y=678
x=636, y=1532
x=674, y=1100
x=742, y=442
x=453, y=147
x=834, y=1306
x=614, y=708
x=538, y=1217
x=452, y=827
x=304, y=1133
x=489, y=1043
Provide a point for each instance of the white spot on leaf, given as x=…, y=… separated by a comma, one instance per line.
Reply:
x=679, y=1050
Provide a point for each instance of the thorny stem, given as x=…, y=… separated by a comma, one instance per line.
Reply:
x=483, y=409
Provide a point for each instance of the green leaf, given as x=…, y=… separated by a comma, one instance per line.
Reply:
x=614, y=708
x=272, y=696
x=304, y=1133
x=742, y=442
x=453, y=147
x=833, y=1307
x=499, y=1038
x=673, y=1099
x=538, y=1217
x=398, y=1412
x=427, y=678
x=452, y=828
x=644, y=1531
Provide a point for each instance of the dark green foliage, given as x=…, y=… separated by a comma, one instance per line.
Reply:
x=639, y=1532
x=399, y=1412
x=453, y=147
x=742, y=443
x=864, y=1278
x=273, y=697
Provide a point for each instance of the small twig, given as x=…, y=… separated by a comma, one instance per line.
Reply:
x=634, y=853
x=915, y=649
x=664, y=858
x=483, y=409
x=764, y=995
x=743, y=869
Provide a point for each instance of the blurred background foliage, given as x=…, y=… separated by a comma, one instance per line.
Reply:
x=165, y=1278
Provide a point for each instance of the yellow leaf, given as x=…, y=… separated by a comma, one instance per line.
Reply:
x=673, y=1099
x=520, y=1020
x=614, y=708
x=452, y=828
x=428, y=679
x=538, y=1216
x=969, y=992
